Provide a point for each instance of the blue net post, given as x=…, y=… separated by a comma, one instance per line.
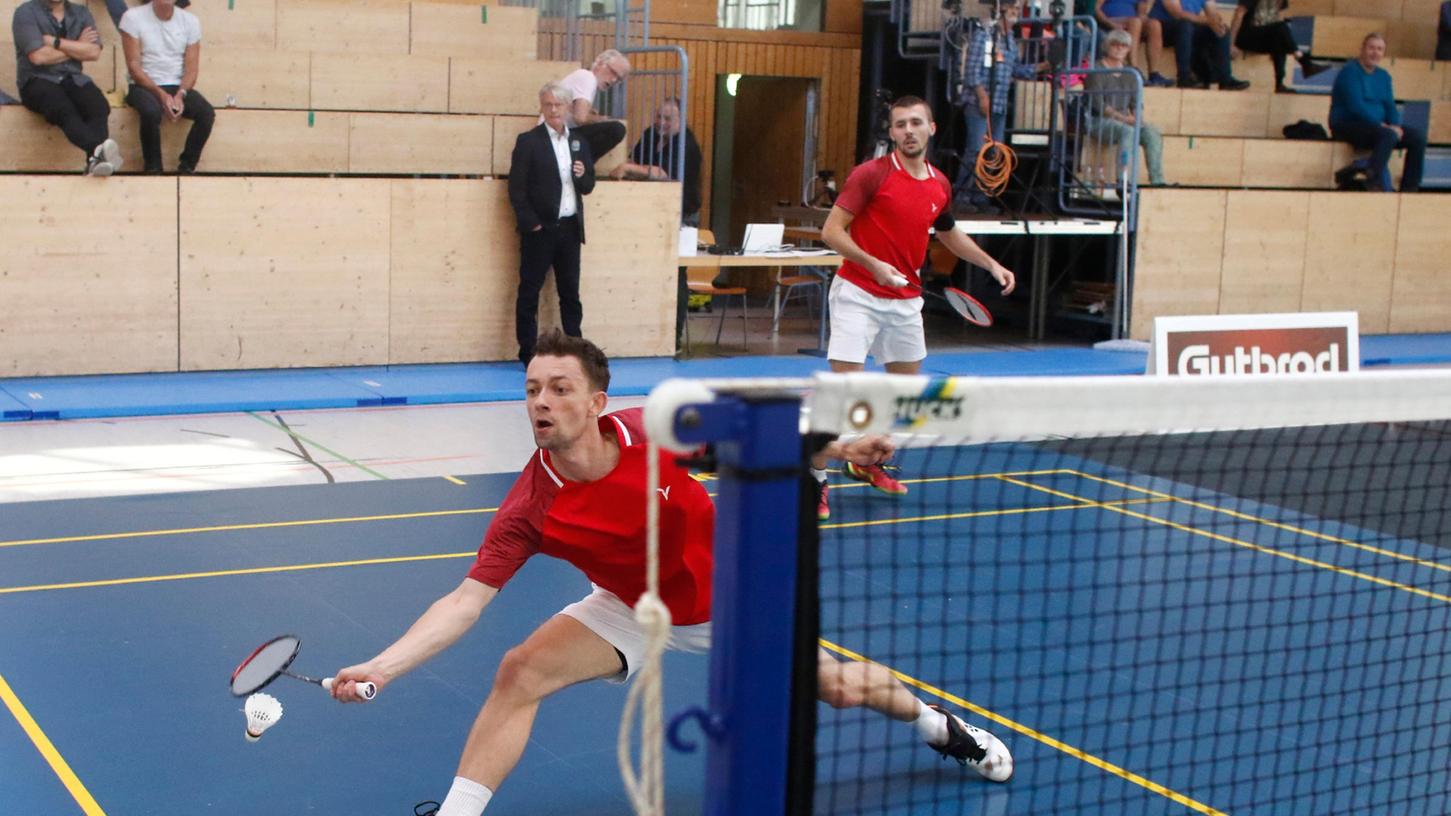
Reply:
x=758, y=451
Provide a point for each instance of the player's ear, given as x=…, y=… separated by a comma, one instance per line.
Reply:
x=597, y=402
x=931, y=127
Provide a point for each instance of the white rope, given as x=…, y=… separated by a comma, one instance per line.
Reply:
x=647, y=788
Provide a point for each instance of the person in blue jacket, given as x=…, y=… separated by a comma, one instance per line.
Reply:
x=1363, y=112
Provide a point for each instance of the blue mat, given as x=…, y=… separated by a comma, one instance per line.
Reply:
x=292, y=389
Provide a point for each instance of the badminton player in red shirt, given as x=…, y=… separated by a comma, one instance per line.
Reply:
x=581, y=499
x=880, y=225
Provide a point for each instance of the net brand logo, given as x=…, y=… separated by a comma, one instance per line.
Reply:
x=1259, y=351
x=935, y=402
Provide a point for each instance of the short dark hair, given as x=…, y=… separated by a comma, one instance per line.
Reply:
x=912, y=101
x=555, y=343
x=1374, y=35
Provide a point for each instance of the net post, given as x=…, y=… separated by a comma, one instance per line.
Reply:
x=758, y=447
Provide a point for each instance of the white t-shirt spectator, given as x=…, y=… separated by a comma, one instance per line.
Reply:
x=582, y=84
x=163, y=43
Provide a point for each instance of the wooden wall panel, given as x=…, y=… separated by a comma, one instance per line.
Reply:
x=89, y=276
x=256, y=141
x=238, y=23
x=362, y=28
x=506, y=132
x=1180, y=249
x=1216, y=113
x=283, y=272
x=1421, y=289
x=1286, y=163
x=1203, y=162
x=500, y=32
x=1287, y=109
x=843, y=16
x=1376, y=9
x=627, y=277
x=694, y=12
x=1348, y=262
x=1163, y=108
x=380, y=82
x=455, y=272
x=1264, y=252
x=1312, y=8
x=1440, y=132
x=1341, y=36
x=421, y=144
x=1415, y=78
x=257, y=78
x=495, y=85
x=1426, y=11
x=1412, y=38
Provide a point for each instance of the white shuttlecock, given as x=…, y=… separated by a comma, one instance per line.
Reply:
x=263, y=711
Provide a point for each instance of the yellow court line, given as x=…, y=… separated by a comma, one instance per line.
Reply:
x=455, y=480
x=261, y=525
x=1012, y=511
x=1261, y=549
x=1275, y=524
x=1076, y=753
x=186, y=576
x=43, y=744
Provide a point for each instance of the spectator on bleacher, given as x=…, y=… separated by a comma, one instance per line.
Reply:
x=654, y=157
x=1443, y=33
x=552, y=170
x=1200, y=37
x=163, y=53
x=1363, y=112
x=1113, y=116
x=1260, y=28
x=601, y=132
x=1132, y=16
x=52, y=39
x=985, y=97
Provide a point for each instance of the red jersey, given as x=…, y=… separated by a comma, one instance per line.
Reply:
x=599, y=526
x=892, y=213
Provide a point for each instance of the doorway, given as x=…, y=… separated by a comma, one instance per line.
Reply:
x=765, y=149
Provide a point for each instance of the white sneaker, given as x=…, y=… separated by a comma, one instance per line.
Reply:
x=97, y=167
x=111, y=154
x=975, y=747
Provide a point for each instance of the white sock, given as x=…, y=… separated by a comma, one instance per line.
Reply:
x=931, y=726
x=465, y=798
x=819, y=474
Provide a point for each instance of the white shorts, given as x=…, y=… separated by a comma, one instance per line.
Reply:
x=862, y=323
x=609, y=617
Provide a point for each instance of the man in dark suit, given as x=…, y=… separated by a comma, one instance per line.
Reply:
x=552, y=172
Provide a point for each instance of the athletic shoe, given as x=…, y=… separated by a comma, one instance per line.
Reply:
x=96, y=167
x=1233, y=84
x=1158, y=80
x=1310, y=68
x=111, y=154
x=429, y=808
x=876, y=477
x=975, y=747
x=823, y=510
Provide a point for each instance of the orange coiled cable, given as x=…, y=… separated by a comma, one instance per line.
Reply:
x=995, y=164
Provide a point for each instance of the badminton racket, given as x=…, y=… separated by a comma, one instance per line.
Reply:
x=272, y=660
x=966, y=306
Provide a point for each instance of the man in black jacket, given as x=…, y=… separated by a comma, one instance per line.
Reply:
x=552, y=171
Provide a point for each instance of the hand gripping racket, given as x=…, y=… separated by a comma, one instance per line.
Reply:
x=271, y=660
x=961, y=302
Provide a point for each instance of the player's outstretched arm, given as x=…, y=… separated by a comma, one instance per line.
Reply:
x=967, y=249
x=434, y=631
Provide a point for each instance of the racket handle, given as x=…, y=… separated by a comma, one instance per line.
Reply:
x=366, y=690
x=899, y=281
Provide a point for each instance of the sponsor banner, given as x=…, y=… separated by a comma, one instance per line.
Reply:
x=1255, y=345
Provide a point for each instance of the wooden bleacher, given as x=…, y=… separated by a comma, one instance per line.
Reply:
x=183, y=273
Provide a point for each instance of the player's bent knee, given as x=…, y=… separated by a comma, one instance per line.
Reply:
x=519, y=674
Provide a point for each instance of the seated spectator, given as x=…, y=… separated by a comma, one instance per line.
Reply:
x=1443, y=33
x=1112, y=115
x=1200, y=37
x=1132, y=16
x=1363, y=112
x=163, y=52
x=654, y=157
x=52, y=39
x=601, y=132
x=1260, y=28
